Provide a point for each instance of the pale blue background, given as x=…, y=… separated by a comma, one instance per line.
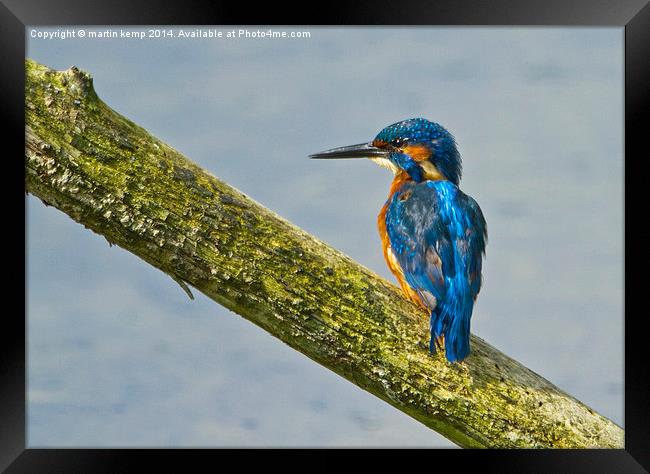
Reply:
x=118, y=355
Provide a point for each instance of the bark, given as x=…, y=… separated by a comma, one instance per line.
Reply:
x=118, y=180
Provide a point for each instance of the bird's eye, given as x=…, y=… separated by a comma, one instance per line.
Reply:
x=398, y=142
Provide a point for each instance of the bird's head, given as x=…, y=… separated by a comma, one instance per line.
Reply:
x=422, y=149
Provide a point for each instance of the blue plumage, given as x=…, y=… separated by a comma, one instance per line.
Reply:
x=437, y=234
x=420, y=130
x=433, y=235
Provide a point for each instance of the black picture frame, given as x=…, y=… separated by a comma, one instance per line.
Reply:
x=633, y=15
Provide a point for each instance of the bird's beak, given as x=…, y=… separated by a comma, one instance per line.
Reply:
x=362, y=150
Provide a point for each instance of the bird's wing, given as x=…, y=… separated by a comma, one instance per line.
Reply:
x=475, y=240
x=435, y=231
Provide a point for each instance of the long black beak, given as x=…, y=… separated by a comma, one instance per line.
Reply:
x=362, y=150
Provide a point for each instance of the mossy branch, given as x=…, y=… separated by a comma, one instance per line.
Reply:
x=116, y=179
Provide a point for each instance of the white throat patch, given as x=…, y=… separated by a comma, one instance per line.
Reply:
x=386, y=163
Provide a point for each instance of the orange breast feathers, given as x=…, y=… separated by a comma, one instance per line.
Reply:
x=389, y=256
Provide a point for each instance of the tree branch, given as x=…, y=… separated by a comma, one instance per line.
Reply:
x=116, y=179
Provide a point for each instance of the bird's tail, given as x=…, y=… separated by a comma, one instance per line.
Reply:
x=451, y=320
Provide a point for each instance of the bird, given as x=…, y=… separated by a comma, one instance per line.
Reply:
x=433, y=235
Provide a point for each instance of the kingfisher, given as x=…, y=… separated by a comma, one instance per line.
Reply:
x=433, y=235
